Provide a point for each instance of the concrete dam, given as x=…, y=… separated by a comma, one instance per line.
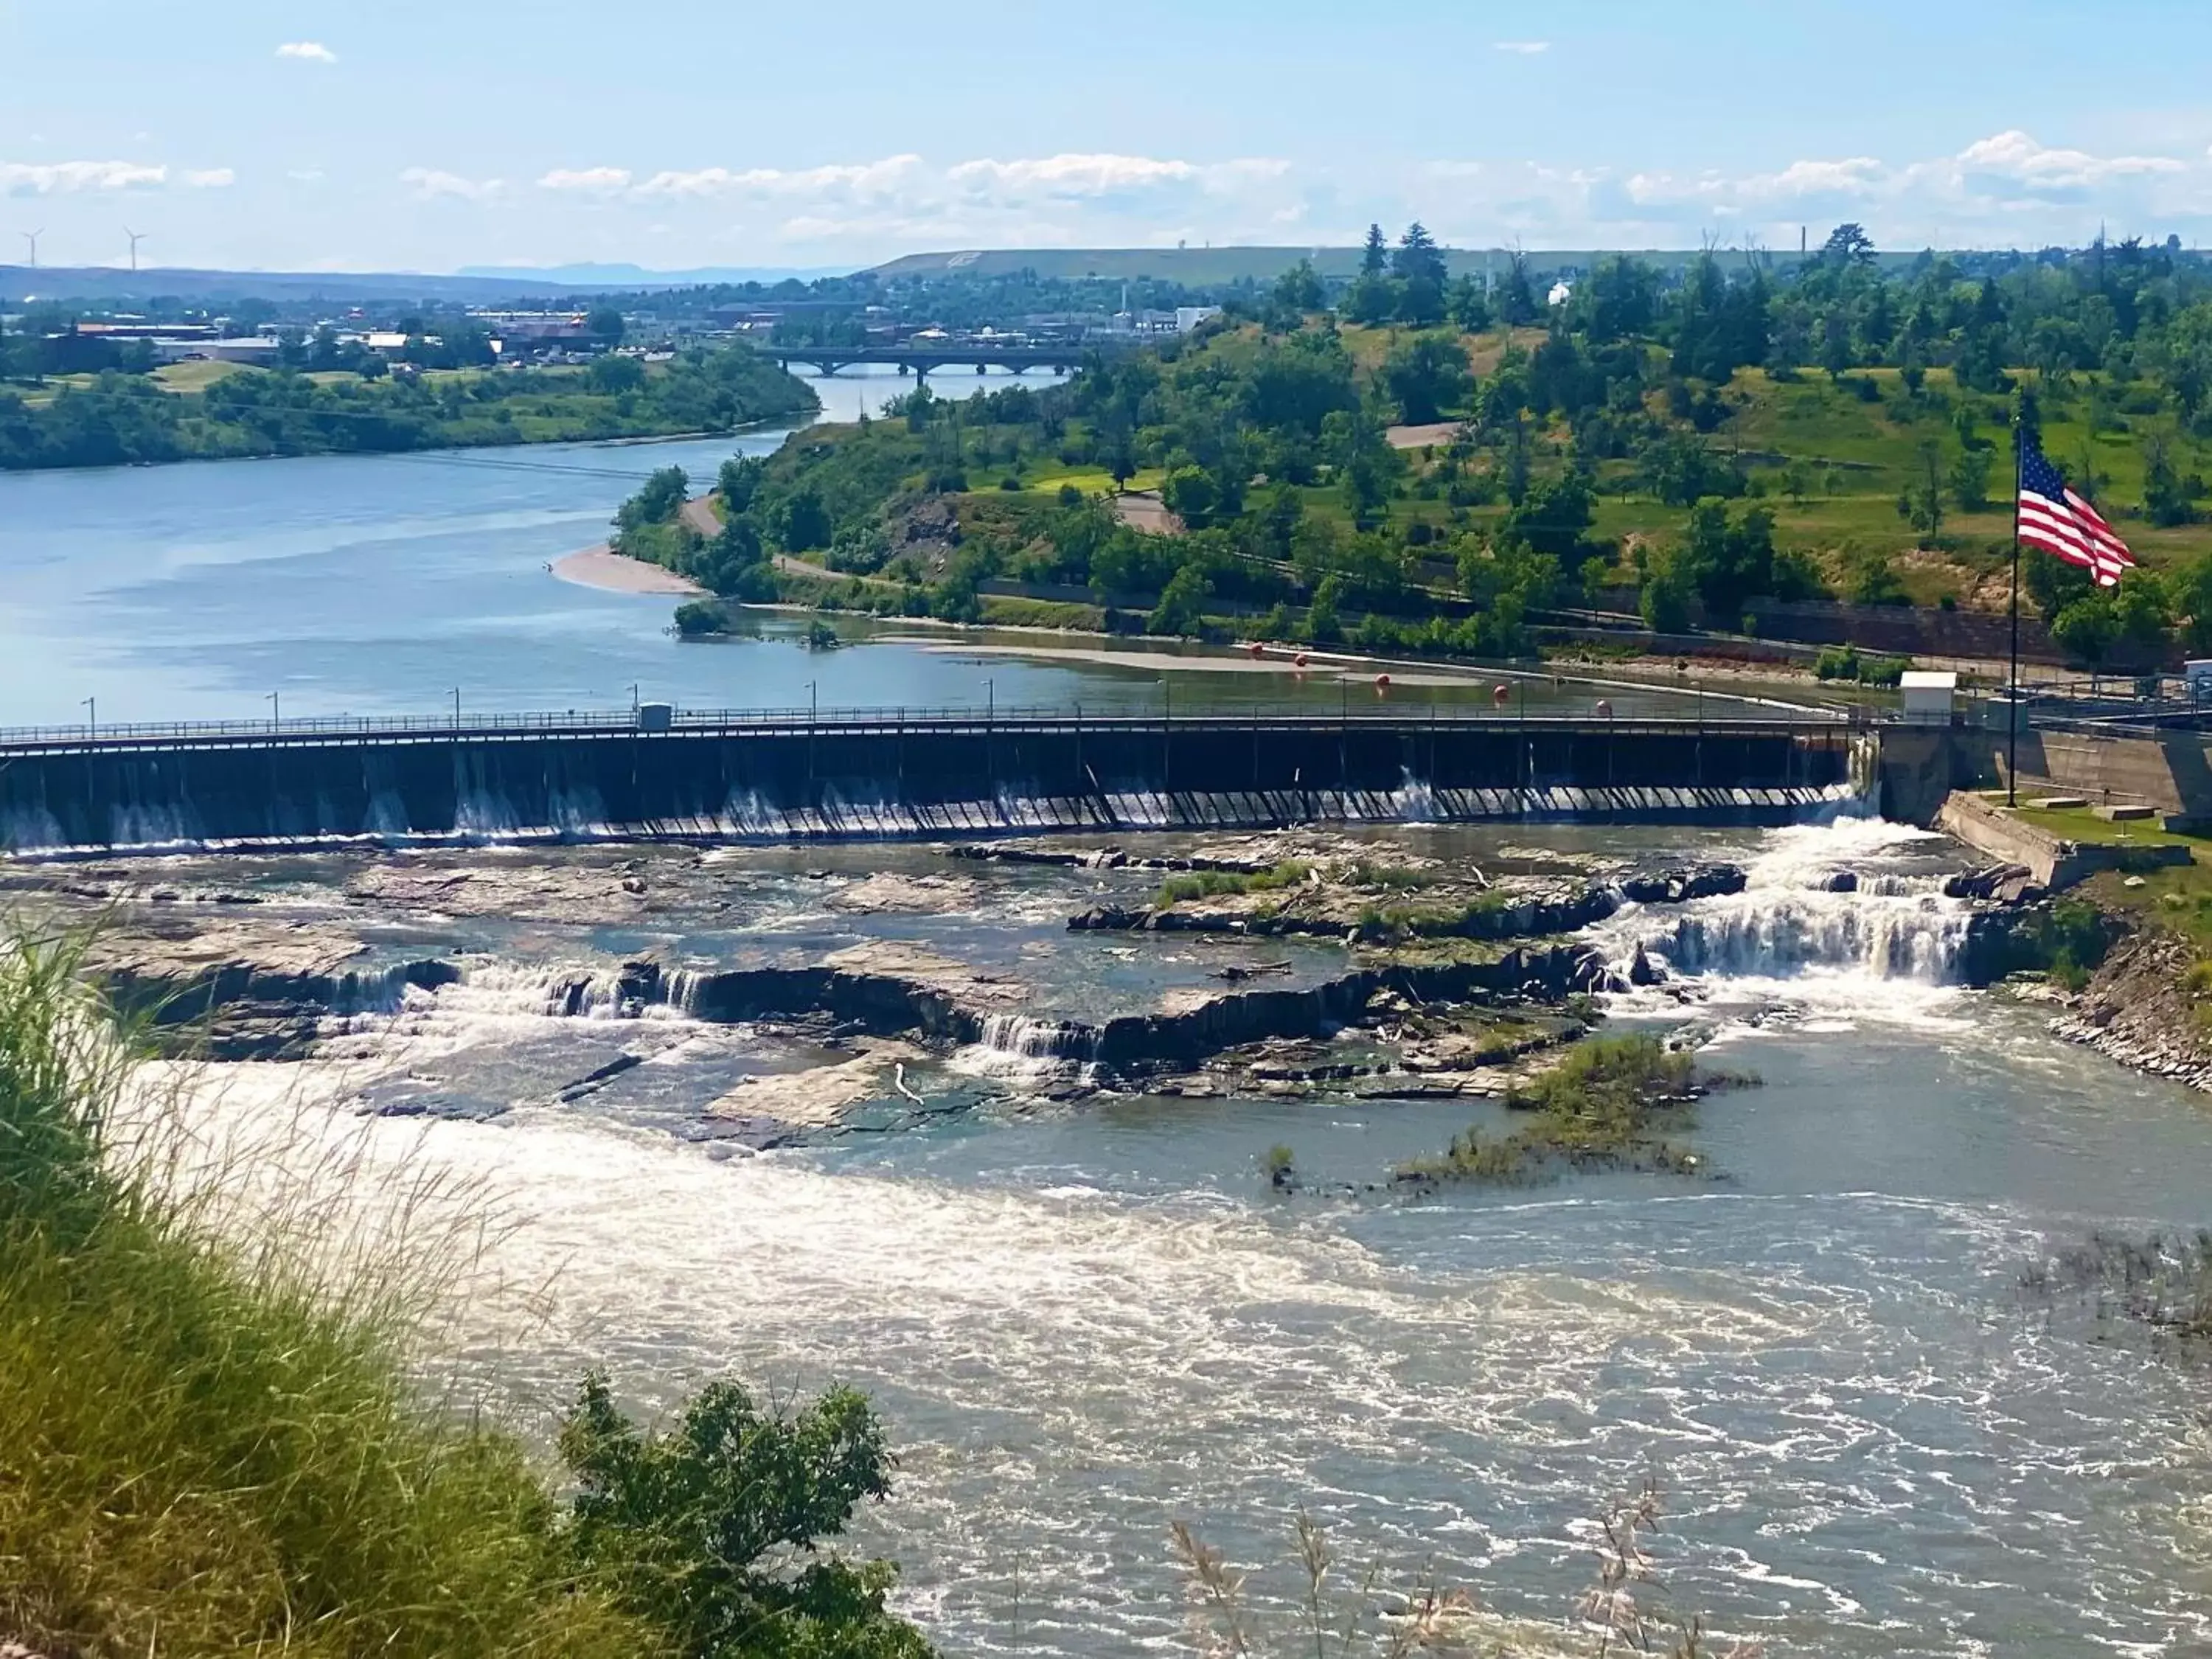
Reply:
x=656, y=774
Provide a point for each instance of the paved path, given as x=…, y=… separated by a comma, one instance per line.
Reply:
x=700, y=514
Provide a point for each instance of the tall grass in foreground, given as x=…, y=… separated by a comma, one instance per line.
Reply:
x=211, y=1447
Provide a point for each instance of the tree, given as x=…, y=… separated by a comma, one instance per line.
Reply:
x=1848, y=246
x=1375, y=258
x=1870, y=577
x=1468, y=304
x=1120, y=456
x=1516, y=295
x=1190, y=494
x=1970, y=480
x=1551, y=518
x=1324, y=620
x=604, y=324
x=1426, y=375
x=1728, y=560
x=1181, y=607
x=804, y=523
x=615, y=375
x=688, y=1529
x=1299, y=290
x=1664, y=602
x=740, y=481
x=2167, y=497
x=1920, y=503
x=657, y=500
x=1418, y=265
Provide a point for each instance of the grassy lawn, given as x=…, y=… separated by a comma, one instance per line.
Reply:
x=2082, y=825
x=1091, y=480
x=196, y=376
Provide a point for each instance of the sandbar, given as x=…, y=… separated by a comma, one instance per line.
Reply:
x=611, y=572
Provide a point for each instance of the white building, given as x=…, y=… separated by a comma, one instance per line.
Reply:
x=1928, y=697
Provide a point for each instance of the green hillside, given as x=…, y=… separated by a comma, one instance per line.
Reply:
x=1433, y=463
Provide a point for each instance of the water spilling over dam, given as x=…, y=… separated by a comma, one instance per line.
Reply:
x=887, y=773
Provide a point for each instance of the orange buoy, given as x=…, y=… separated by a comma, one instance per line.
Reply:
x=1382, y=682
x=1258, y=648
x=1604, y=708
x=1298, y=661
x=1501, y=695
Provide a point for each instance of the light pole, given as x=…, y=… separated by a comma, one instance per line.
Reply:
x=633, y=696
x=275, y=711
x=456, y=708
x=92, y=717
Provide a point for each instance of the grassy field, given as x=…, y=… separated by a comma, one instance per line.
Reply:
x=196, y=376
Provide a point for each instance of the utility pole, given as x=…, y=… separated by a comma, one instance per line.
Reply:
x=136, y=237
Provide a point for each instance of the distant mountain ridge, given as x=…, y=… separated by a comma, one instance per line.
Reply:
x=476, y=285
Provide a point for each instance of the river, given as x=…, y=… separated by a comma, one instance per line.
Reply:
x=1082, y=1320
x=388, y=584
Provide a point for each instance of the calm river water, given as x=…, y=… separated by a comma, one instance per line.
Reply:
x=375, y=584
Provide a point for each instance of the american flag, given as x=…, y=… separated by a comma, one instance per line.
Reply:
x=2055, y=519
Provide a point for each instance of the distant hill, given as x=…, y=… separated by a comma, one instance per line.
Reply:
x=636, y=277
x=1196, y=267
x=107, y=284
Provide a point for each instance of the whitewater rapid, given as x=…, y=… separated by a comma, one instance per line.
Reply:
x=1082, y=1323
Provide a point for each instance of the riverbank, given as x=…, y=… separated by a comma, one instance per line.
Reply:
x=611, y=572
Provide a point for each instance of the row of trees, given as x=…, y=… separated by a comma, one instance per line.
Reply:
x=122, y=419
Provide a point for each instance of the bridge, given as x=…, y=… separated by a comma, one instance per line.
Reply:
x=777, y=775
x=922, y=359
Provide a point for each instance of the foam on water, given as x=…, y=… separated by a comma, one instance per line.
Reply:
x=1066, y=1371
x=1890, y=947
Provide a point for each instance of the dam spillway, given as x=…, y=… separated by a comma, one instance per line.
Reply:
x=892, y=773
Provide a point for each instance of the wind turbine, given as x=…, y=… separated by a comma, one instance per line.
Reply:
x=32, y=237
x=136, y=237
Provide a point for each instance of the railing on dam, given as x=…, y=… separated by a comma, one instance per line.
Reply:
x=1718, y=716
x=783, y=773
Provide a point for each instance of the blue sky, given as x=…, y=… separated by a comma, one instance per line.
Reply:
x=675, y=133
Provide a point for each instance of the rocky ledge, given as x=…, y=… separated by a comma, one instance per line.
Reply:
x=2138, y=1009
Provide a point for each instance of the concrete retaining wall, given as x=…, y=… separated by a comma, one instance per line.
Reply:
x=2055, y=862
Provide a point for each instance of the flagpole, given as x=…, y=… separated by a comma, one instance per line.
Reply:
x=2011, y=741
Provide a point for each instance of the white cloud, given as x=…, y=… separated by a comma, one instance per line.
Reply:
x=868, y=179
x=590, y=181
x=305, y=175
x=1069, y=175
x=68, y=178
x=1525, y=48
x=210, y=178
x=307, y=52
x=2018, y=158
x=430, y=182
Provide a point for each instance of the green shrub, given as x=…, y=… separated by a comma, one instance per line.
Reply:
x=201, y=1450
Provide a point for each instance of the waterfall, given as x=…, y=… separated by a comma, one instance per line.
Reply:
x=1811, y=906
x=1766, y=935
x=1018, y=1046
x=1412, y=801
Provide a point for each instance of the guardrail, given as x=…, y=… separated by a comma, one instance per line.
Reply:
x=614, y=722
